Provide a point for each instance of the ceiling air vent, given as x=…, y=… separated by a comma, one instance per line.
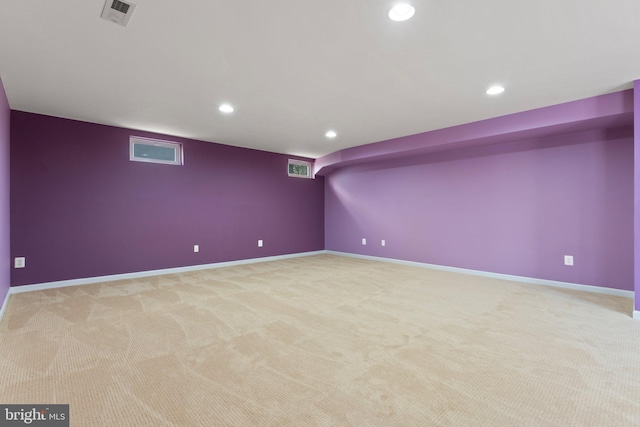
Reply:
x=118, y=11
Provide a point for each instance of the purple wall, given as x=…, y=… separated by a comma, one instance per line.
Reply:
x=80, y=208
x=608, y=111
x=636, y=111
x=5, y=257
x=513, y=208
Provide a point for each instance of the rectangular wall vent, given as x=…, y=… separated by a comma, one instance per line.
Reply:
x=154, y=151
x=118, y=11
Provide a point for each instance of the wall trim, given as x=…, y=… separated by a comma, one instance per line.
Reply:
x=3, y=307
x=140, y=274
x=522, y=279
x=137, y=275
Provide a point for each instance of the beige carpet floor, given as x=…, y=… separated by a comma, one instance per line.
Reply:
x=323, y=341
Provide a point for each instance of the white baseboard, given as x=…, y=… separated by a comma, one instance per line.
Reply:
x=522, y=279
x=4, y=304
x=125, y=276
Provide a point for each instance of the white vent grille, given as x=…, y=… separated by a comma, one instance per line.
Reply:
x=118, y=11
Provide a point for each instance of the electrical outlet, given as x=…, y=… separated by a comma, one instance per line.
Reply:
x=260, y=243
x=568, y=260
x=364, y=241
x=19, y=262
x=383, y=243
x=196, y=248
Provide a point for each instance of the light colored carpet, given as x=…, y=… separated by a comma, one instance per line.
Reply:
x=323, y=340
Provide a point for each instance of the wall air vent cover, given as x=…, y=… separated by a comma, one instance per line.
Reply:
x=118, y=11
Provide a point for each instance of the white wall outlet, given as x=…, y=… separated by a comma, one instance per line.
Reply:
x=19, y=262
x=196, y=248
x=260, y=243
x=364, y=241
x=383, y=243
x=568, y=260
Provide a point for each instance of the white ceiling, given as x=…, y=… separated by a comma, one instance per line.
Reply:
x=294, y=69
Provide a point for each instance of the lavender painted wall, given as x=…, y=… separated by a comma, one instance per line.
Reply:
x=599, y=112
x=636, y=111
x=5, y=257
x=80, y=208
x=514, y=208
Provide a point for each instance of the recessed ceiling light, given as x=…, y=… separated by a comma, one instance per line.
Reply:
x=331, y=134
x=226, y=108
x=401, y=12
x=495, y=90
